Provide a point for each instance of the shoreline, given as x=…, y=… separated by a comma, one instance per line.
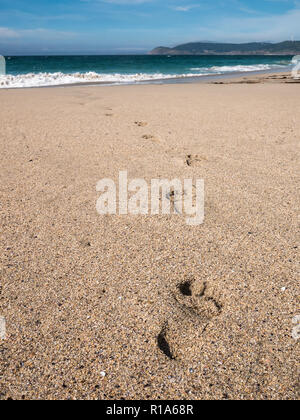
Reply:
x=176, y=80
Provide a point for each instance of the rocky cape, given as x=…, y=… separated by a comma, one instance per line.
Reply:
x=212, y=48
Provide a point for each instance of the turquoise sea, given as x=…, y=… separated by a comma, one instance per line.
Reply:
x=62, y=70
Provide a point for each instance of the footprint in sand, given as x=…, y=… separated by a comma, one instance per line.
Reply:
x=198, y=298
x=85, y=243
x=141, y=123
x=196, y=305
x=194, y=160
x=150, y=137
x=163, y=344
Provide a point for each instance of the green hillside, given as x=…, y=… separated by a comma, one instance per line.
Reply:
x=211, y=48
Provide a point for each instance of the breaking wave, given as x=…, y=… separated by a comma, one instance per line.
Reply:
x=56, y=79
x=59, y=78
x=240, y=68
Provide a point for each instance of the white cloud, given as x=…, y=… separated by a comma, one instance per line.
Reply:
x=274, y=27
x=41, y=33
x=129, y=2
x=8, y=33
x=254, y=28
x=184, y=8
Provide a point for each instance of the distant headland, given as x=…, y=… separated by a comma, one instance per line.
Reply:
x=212, y=48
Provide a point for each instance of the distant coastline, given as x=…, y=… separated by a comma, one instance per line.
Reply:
x=212, y=48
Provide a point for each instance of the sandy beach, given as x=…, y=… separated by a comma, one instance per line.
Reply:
x=147, y=307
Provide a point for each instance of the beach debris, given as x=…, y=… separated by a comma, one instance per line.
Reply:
x=173, y=196
x=2, y=328
x=296, y=329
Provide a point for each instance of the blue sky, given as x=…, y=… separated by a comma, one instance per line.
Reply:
x=136, y=26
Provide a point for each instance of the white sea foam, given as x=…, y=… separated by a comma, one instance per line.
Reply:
x=55, y=79
x=258, y=67
x=239, y=68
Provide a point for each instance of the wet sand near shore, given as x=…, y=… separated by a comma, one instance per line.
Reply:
x=280, y=77
x=147, y=307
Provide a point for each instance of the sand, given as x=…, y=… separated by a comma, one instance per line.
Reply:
x=147, y=307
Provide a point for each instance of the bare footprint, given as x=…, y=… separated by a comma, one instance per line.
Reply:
x=141, y=123
x=194, y=160
x=150, y=137
x=180, y=336
x=198, y=298
x=162, y=342
x=195, y=306
x=85, y=243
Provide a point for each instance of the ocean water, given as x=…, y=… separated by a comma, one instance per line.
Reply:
x=62, y=70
